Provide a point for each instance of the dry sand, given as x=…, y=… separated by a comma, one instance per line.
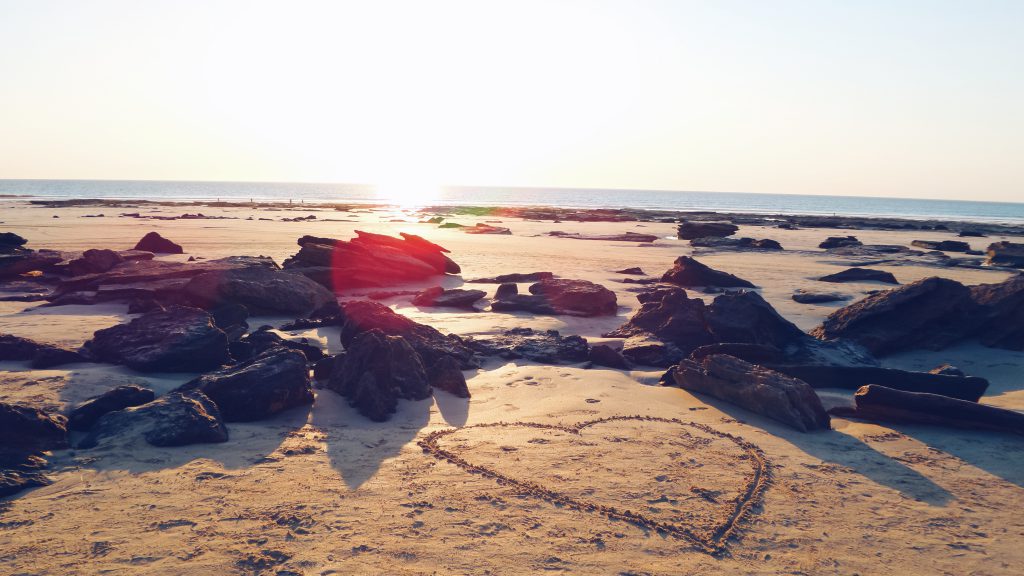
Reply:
x=322, y=490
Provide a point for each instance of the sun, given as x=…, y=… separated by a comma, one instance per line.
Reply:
x=408, y=192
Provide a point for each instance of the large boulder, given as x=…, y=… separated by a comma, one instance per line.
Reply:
x=930, y=313
x=969, y=388
x=365, y=315
x=944, y=245
x=688, y=273
x=10, y=242
x=1006, y=254
x=1001, y=313
x=27, y=429
x=647, y=350
x=692, y=230
x=547, y=347
x=452, y=298
x=40, y=355
x=157, y=244
x=260, y=290
x=175, y=419
x=669, y=315
x=514, y=277
x=754, y=388
x=178, y=339
x=378, y=370
x=745, y=317
x=263, y=339
x=860, y=275
x=839, y=242
x=87, y=413
x=258, y=388
x=446, y=375
x=94, y=261
x=577, y=297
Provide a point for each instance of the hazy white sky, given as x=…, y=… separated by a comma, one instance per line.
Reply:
x=881, y=98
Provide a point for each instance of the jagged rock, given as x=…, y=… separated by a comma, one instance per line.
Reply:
x=87, y=413
x=692, y=230
x=258, y=388
x=944, y=245
x=143, y=305
x=506, y=290
x=453, y=298
x=22, y=260
x=840, y=242
x=1005, y=254
x=9, y=242
x=635, y=271
x=813, y=297
x=40, y=356
x=853, y=377
x=154, y=242
x=377, y=371
x=753, y=353
x=446, y=375
x=605, y=355
x=755, y=388
x=261, y=290
x=27, y=429
x=20, y=471
x=363, y=315
x=94, y=261
x=324, y=366
x=879, y=403
x=1001, y=313
x=547, y=347
x=687, y=272
x=175, y=419
x=745, y=317
x=626, y=237
x=667, y=313
x=178, y=339
x=930, y=313
x=523, y=303
x=971, y=234
x=513, y=278
x=262, y=340
x=578, y=297
x=646, y=350
x=860, y=275
x=230, y=315
x=947, y=370
x=736, y=243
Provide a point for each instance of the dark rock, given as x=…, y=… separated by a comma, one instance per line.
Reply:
x=547, y=347
x=40, y=356
x=258, y=388
x=840, y=242
x=860, y=275
x=454, y=298
x=944, y=245
x=1005, y=254
x=143, y=305
x=1001, y=313
x=605, y=355
x=154, y=242
x=578, y=297
x=813, y=297
x=646, y=350
x=853, y=377
x=687, y=272
x=87, y=413
x=27, y=429
x=626, y=237
x=753, y=353
x=377, y=371
x=262, y=340
x=506, y=290
x=947, y=370
x=523, y=303
x=22, y=260
x=971, y=234
x=446, y=375
x=745, y=317
x=178, y=339
x=517, y=277
x=636, y=271
x=690, y=230
x=324, y=366
x=175, y=419
x=94, y=261
x=229, y=315
x=9, y=242
x=665, y=313
x=21, y=470
x=736, y=243
x=755, y=388
x=260, y=290
x=364, y=315
x=930, y=313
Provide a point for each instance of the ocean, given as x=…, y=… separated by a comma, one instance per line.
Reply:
x=1004, y=212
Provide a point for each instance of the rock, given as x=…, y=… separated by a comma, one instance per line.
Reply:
x=87, y=413
x=20, y=471
x=745, y=317
x=481, y=228
x=143, y=305
x=636, y=271
x=753, y=353
x=40, y=356
x=453, y=298
x=879, y=403
x=260, y=290
x=605, y=355
x=626, y=237
x=646, y=350
x=547, y=347
x=9, y=242
x=94, y=261
x=446, y=375
x=860, y=275
x=513, y=278
x=665, y=313
x=175, y=419
x=27, y=429
x=1000, y=316
x=377, y=371
x=272, y=382
x=971, y=234
x=364, y=315
x=262, y=340
x=178, y=339
x=578, y=297
x=154, y=242
x=931, y=313
x=691, y=230
x=813, y=297
x=230, y=315
x=754, y=388
x=21, y=261
x=1005, y=254
x=524, y=303
x=736, y=243
x=944, y=245
x=947, y=370
x=853, y=377
x=506, y=290
x=324, y=366
x=840, y=242
x=688, y=273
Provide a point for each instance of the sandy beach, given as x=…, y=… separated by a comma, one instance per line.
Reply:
x=321, y=489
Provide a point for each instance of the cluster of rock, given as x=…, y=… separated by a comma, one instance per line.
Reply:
x=1005, y=254
x=625, y=237
x=736, y=243
x=557, y=296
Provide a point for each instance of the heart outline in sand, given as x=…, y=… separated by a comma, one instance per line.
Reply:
x=750, y=494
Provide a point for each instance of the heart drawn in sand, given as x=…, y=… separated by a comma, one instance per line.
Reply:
x=683, y=479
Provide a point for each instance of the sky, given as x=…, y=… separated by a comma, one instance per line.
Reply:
x=919, y=99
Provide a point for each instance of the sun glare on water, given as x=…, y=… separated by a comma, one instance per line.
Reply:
x=408, y=193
